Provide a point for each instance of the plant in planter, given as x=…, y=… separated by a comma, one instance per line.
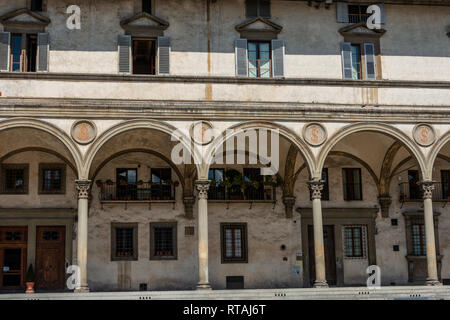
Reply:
x=140, y=182
x=99, y=183
x=109, y=182
x=123, y=182
x=29, y=279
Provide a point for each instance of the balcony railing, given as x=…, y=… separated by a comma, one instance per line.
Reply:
x=415, y=193
x=238, y=193
x=137, y=192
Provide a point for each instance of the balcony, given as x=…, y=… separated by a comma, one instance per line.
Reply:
x=137, y=193
x=414, y=193
x=242, y=194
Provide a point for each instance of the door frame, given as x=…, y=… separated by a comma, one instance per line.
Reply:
x=22, y=244
x=338, y=217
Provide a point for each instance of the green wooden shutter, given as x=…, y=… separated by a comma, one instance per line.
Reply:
x=241, y=53
x=346, y=53
x=43, y=44
x=278, y=51
x=124, y=49
x=164, y=55
x=5, y=42
x=342, y=12
x=369, y=52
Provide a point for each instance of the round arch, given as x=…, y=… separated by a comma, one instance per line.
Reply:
x=284, y=131
x=129, y=126
x=148, y=151
x=370, y=127
x=50, y=129
x=436, y=149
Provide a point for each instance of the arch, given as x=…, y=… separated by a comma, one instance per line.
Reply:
x=284, y=131
x=129, y=126
x=50, y=129
x=149, y=151
x=407, y=159
x=39, y=149
x=436, y=149
x=371, y=127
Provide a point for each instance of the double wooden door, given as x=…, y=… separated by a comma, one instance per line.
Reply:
x=50, y=257
x=330, y=254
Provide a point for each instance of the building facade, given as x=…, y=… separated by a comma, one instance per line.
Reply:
x=92, y=91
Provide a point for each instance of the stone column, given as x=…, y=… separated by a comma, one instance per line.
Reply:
x=83, y=187
x=428, y=187
x=203, y=278
x=316, y=187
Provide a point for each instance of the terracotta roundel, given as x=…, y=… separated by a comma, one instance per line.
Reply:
x=424, y=134
x=314, y=134
x=83, y=131
x=201, y=133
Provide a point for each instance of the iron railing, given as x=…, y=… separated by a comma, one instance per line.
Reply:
x=414, y=192
x=137, y=192
x=237, y=193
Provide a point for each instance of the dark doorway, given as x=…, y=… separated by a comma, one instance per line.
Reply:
x=330, y=254
x=13, y=251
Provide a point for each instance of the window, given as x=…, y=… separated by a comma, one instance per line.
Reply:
x=357, y=13
x=445, y=180
x=23, y=52
x=418, y=238
x=161, y=183
x=147, y=6
x=163, y=241
x=360, y=58
x=254, y=189
x=414, y=189
x=52, y=178
x=234, y=242
x=126, y=184
x=124, y=237
x=356, y=62
x=354, y=241
x=352, y=183
x=144, y=56
x=257, y=8
x=259, y=59
x=15, y=178
x=36, y=5
x=217, y=188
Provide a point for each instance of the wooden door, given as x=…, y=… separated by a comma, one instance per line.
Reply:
x=330, y=254
x=13, y=257
x=50, y=257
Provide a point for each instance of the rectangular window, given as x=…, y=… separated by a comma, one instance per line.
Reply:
x=144, y=56
x=163, y=241
x=161, y=183
x=124, y=237
x=16, y=52
x=257, y=8
x=126, y=184
x=23, y=52
x=36, y=5
x=418, y=238
x=357, y=13
x=414, y=189
x=147, y=6
x=217, y=188
x=445, y=180
x=15, y=178
x=254, y=188
x=259, y=59
x=354, y=241
x=351, y=178
x=234, y=242
x=356, y=62
x=52, y=178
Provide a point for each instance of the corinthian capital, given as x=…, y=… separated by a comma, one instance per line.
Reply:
x=83, y=187
x=428, y=187
x=316, y=187
x=202, y=187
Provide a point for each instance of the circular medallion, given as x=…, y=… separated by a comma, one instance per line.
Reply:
x=424, y=135
x=83, y=131
x=201, y=132
x=314, y=134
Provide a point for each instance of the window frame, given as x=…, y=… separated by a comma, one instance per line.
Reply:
x=15, y=166
x=362, y=240
x=153, y=59
x=360, y=16
x=345, y=183
x=244, y=242
x=174, y=226
x=445, y=184
x=114, y=227
x=52, y=166
x=258, y=9
x=421, y=237
x=360, y=40
x=33, y=7
x=258, y=43
x=28, y=52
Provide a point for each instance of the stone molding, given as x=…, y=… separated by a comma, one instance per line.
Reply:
x=83, y=187
x=202, y=187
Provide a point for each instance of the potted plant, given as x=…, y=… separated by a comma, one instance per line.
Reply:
x=109, y=182
x=140, y=183
x=99, y=183
x=123, y=182
x=29, y=279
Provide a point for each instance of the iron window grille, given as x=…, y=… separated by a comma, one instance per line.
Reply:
x=163, y=241
x=234, y=242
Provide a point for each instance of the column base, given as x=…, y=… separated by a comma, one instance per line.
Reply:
x=320, y=284
x=82, y=290
x=204, y=286
x=433, y=283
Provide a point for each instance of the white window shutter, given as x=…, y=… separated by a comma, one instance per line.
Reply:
x=369, y=53
x=342, y=12
x=163, y=55
x=278, y=52
x=346, y=53
x=43, y=45
x=5, y=42
x=241, y=53
x=124, y=50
